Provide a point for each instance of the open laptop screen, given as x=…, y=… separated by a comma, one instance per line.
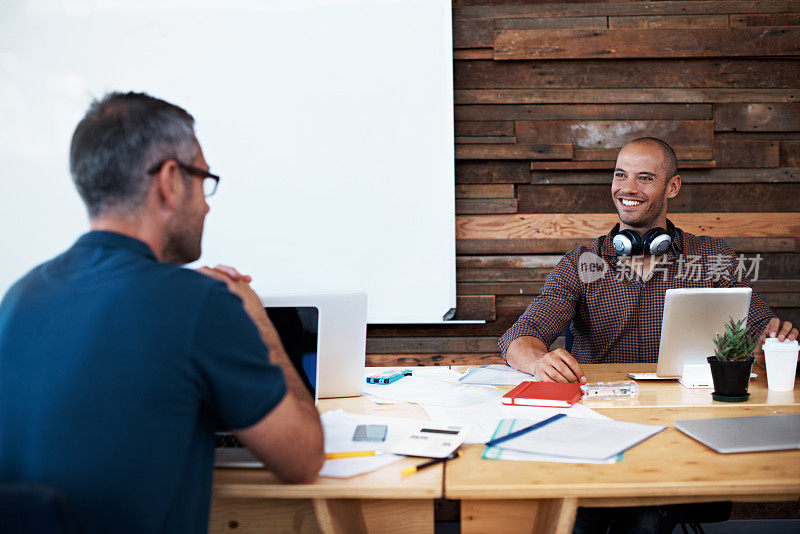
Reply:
x=298, y=329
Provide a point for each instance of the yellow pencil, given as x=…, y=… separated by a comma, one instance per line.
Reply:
x=351, y=454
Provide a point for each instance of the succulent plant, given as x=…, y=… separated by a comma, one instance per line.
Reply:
x=734, y=344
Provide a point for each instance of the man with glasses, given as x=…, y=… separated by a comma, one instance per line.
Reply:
x=117, y=365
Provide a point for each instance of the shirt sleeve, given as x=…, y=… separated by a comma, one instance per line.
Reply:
x=548, y=314
x=759, y=314
x=238, y=382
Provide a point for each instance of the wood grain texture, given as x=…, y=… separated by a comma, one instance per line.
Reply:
x=622, y=96
x=692, y=198
x=789, y=154
x=424, y=345
x=408, y=360
x=520, y=150
x=485, y=140
x=475, y=307
x=473, y=33
x=706, y=176
x=500, y=274
x=339, y=516
x=555, y=516
x=597, y=165
x=253, y=516
x=550, y=23
x=783, y=117
x=492, y=172
x=515, y=261
x=704, y=7
x=772, y=73
x=591, y=225
x=766, y=19
x=747, y=153
x=467, y=206
x=485, y=191
x=484, y=128
x=668, y=21
x=686, y=154
x=614, y=134
x=649, y=43
x=579, y=112
x=473, y=53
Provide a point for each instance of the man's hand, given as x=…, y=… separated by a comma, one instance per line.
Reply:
x=774, y=328
x=530, y=355
x=558, y=366
x=239, y=285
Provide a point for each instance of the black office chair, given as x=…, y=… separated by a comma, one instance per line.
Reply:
x=36, y=509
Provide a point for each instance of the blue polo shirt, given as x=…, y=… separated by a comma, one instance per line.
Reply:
x=115, y=370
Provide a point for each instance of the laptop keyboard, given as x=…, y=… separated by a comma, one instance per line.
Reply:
x=226, y=440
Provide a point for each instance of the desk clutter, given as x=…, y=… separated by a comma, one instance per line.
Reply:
x=549, y=425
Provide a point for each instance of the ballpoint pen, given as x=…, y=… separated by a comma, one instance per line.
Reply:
x=415, y=468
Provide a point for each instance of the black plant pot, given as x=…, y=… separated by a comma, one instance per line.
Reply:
x=732, y=378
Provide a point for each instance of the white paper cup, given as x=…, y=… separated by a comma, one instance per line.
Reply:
x=781, y=360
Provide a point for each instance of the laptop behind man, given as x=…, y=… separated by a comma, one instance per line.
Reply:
x=116, y=365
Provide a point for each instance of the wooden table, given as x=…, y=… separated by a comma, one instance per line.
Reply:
x=505, y=496
x=251, y=500
x=669, y=468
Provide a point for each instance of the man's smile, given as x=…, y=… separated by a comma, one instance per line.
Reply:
x=629, y=202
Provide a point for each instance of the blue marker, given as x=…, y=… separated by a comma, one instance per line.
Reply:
x=388, y=377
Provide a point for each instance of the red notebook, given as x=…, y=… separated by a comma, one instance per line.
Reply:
x=556, y=394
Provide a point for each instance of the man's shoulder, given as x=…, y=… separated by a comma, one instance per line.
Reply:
x=704, y=244
x=184, y=281
x=593, y=247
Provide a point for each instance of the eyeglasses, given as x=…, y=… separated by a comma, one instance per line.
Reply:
x=210, y=181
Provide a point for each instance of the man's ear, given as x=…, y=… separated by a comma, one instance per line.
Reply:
x=169, y=186
x=673, y=186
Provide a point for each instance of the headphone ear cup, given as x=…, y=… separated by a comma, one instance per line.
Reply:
x=656, y=241
x=627, y=243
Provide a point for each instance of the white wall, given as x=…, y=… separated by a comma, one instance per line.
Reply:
x=330, y=123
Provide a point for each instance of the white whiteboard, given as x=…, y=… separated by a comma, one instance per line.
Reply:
x=330, y=122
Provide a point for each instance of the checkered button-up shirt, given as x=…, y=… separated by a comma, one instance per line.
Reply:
x=617, y=316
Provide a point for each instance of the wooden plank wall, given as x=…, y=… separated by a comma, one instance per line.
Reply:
x=546, y=93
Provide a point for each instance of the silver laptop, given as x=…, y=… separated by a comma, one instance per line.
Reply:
x=745, y=434
x=325, y=338
x=691, y=318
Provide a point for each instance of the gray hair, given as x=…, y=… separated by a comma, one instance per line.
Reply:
x=119, y=139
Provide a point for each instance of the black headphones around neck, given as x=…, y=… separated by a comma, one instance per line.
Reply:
x=655, y=241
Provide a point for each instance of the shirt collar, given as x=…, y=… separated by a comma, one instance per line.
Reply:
x=103, y=238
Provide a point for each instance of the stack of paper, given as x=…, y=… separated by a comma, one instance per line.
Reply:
x=339, y=427
x=569, y=439
x=494, y=375
x=481, y=420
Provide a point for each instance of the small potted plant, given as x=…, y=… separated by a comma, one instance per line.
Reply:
x=732, y=362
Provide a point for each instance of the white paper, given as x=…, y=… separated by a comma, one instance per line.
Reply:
x=577, y=437
x=350, y=467
x=339, y=427
x=420, y=389
x=481, y=420
x=495, y=375
x=497, y=453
